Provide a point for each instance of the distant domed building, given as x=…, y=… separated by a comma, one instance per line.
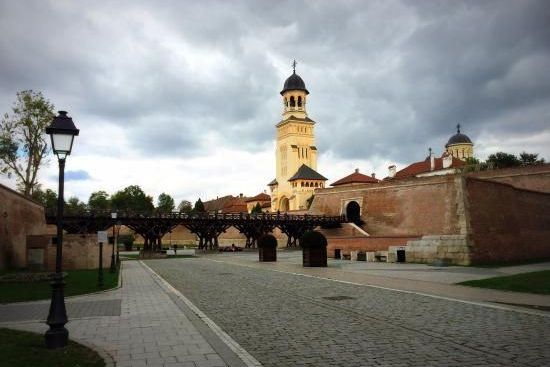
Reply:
x=460, y=146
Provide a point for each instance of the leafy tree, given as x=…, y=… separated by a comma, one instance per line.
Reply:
x=528, y=159
x=99, y=200
x=165, y=203
x=23, y=143
x=132, y=198
x=199, y=207
x=472, y=161
x=47, y=198
x=73, y=206
x=257, y=209
x=503, y=160
x=185, y=206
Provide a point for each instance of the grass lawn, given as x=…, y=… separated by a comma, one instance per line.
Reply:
x=77, y=282
x=535, y=282
x=21, y=348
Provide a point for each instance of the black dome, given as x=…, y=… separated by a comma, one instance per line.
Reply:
x=294, y=82
x=458, y=138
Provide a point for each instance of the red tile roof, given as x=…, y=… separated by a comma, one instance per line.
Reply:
x=226, y=204
x=355, y=177
x=424, y=166
x=235, y=205
x=260, y=197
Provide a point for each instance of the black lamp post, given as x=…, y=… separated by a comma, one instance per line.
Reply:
x=113, y=261
x=62, y=132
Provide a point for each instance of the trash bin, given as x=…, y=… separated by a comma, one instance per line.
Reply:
x=401, y=255
x=337, y=253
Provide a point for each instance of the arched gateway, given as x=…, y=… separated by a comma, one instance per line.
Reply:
x=353, y=212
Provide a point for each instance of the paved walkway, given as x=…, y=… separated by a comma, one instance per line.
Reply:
x=285, y=318
x=420, y=278
x=143, y=323
x=212, y=311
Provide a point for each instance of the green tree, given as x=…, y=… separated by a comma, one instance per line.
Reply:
x=472, y=161
x=199, y=207
x=185, y=206
x=257, y=209
x=528, y=159
x=74, y=206
x=47, y=198
x=99, y=200
x=132, y=198
x=23, y=143
x=165, y=203
x=503, y=160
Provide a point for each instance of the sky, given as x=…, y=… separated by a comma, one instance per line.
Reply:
x=182, y=97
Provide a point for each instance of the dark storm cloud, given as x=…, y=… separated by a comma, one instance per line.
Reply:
x=386, y=78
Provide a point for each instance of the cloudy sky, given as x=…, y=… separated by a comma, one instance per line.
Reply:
x=182, y=96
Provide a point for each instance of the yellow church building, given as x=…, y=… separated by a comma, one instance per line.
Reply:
x=296, y=153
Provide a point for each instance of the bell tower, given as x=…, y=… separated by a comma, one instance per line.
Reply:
x=295, y=145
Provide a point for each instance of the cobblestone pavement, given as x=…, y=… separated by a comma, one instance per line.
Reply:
x=150, y=326
x=284, y=319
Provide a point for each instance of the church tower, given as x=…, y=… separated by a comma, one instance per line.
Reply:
x=296, y=154
x=460, y=146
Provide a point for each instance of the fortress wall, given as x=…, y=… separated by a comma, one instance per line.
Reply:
x=413, y=208
x=535, y=178
x=507, y=223
x=19, y=217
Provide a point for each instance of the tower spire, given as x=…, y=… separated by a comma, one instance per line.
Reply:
x=294, y=63
x=458, y=128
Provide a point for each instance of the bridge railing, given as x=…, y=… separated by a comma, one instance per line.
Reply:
x=125, y=214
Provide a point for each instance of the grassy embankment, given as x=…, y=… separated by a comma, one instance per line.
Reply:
x=21, y=348
x=77, y=282
x=536, y=282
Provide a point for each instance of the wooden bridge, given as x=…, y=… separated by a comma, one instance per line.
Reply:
x=208, y=227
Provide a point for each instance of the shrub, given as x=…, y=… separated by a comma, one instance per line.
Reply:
x=267, y=240
x=313, y=240
x=127, y=240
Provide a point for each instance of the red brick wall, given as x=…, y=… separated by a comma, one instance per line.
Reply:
x=416, y=207
x=508, y=224
x=531, y=178
x=347, y=244
x=19, y=217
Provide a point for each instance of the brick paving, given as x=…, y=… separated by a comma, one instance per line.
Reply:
x=285, y=319
x=148, y=327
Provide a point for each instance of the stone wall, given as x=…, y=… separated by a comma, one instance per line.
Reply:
x=507, y=223
x=535, y=178
x=79, y=252
x=19, y=217
x=416, y=207
x=365, y=244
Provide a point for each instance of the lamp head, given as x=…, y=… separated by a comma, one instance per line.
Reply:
x=62, y=132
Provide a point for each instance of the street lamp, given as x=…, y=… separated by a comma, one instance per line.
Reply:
x=62, y=132
x=113, y=262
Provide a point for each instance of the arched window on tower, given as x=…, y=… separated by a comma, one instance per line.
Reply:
x=292, y=102
x=299, y=101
